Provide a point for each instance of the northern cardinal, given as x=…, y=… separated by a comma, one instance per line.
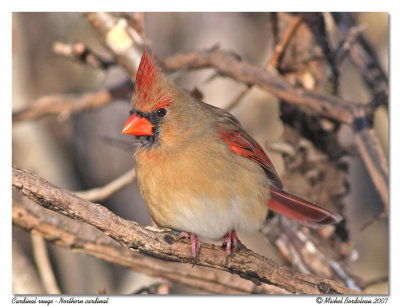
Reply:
x=198, y=171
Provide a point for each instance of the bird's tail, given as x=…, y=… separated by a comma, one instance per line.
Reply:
x=301, y=210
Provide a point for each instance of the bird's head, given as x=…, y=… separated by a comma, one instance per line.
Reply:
x=157, y=113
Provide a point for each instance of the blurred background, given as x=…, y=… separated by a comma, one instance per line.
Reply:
x=86, y=150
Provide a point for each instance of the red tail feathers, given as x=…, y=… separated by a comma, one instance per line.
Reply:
x=301, y=210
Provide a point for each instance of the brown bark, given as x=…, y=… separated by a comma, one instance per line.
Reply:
x=163, y=244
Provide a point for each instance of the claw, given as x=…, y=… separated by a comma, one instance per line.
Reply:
x=184, y=235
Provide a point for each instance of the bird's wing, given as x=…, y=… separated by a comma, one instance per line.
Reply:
x=241, y=143
x=280, y=201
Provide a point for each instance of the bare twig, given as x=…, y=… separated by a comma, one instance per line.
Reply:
x=44, y=266
x=345, y=46
x=280, y=47
x=65, y=105
x=101, y=193
x=162, y=244
x=68, y=233
x=372, y=154
x=82, y=54
x=307, y=252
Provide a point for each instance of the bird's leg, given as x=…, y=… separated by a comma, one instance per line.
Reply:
x=194, y=241
x=228, y=239
x=234, y=239
x=195, y=245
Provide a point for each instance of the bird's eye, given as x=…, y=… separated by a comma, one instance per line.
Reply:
x=161, y=112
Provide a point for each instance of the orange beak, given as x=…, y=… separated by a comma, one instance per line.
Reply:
x=137, y=126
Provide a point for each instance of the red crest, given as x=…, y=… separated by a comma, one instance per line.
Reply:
x=149, y=84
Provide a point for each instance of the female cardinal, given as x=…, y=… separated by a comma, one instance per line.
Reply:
x=198, y=171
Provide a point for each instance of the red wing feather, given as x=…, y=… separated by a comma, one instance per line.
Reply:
x=281, y=201
x=301, y=210
x=241, y=143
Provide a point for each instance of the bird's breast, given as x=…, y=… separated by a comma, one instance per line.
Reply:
x=203, y=190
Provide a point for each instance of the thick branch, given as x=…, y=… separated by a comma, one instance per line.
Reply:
x=68, y=233
x=163, y=244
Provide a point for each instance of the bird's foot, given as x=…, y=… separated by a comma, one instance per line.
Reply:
x=194, y=241
x=228, y=239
